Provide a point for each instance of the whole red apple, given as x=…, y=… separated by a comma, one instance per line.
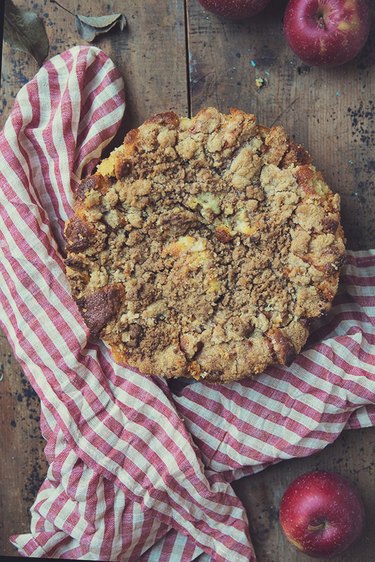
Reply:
x=235, y=9
x=327, y=32
x=322, y=513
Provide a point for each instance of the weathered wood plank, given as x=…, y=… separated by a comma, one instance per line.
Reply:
x=330, y=111
x=150, y=54
x=352, y=454
x=22, y=461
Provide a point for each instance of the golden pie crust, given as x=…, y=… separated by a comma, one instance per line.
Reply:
x=202, y=247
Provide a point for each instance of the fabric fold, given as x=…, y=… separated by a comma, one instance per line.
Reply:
x=139, y=470
x=122, y=426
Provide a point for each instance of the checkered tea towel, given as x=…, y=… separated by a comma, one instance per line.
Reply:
x=137, y=471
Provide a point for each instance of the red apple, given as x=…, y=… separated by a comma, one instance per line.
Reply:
x=235, y=9
x=327, y=32
x=322, y=513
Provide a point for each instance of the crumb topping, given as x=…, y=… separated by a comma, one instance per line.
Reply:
x=202, y=247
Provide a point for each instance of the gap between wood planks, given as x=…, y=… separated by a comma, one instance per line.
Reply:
x=187, y=57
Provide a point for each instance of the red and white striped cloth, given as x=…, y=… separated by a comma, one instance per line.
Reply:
x=137, y=472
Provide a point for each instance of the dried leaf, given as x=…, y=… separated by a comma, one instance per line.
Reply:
x=90, y=27
x=24, y=31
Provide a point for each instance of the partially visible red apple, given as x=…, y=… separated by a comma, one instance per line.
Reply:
x=322, y=513
x=235, y=9
x=327, y=32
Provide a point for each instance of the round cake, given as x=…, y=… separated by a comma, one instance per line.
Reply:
x=203, y=247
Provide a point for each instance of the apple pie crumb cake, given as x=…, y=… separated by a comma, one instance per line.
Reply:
x=203, y=247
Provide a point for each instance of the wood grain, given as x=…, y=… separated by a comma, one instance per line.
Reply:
x=330, y=112
x=352, y=454
x=22, y=461
x=150, y=54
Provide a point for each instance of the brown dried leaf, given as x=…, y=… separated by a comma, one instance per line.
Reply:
x=24, y=31
x=90, y=27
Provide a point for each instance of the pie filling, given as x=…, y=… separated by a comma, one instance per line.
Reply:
x=202, y=247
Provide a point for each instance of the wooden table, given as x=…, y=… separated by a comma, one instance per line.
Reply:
x=173, y=55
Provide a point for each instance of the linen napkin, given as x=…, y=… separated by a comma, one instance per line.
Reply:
x=139, y=469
